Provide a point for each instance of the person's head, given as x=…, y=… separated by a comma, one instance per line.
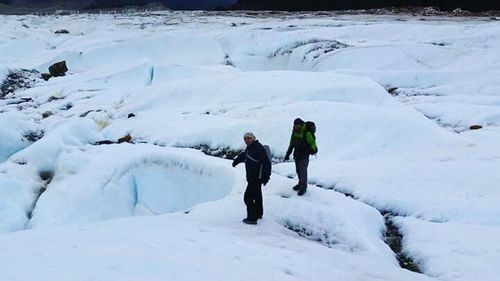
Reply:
x=297, y=124
x=249, y=138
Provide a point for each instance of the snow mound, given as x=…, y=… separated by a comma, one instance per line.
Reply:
x=14, y=134
x=353, y=114
x=23, y=175
x=464, y=252
x=125, y=180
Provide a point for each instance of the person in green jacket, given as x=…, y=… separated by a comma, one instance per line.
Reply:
x=303, y=144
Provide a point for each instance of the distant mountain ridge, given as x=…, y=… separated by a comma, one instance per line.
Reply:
x=323, y=5
x=281, y=5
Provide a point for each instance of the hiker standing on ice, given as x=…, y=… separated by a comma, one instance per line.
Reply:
x=258, y=169
x=303, y=144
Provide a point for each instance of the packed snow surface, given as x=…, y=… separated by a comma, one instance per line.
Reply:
x=393, y=99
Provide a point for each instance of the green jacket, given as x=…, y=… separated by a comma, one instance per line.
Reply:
x=301, y=143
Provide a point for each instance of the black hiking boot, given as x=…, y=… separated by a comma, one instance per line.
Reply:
x=296, y=188
x=302, y=191
x=248, y=221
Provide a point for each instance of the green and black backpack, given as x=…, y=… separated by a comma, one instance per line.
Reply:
x=311, y=128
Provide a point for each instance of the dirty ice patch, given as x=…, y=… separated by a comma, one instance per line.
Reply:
x=114, y=181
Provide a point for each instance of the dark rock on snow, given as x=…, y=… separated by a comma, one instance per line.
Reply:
x=46, y=114
x=104, y=142
x=58, y=69
x=393, y=91
x=53, y=98
x=46, y=76
x=18, y=79
x=61, y=31
x=475, y=127
x=34, y=136
x=127, y=138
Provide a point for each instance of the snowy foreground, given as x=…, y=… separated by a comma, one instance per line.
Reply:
x=159, y=209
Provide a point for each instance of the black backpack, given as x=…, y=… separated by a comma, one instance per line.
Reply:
x=311, y=128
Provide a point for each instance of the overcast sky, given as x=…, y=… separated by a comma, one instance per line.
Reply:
x=200, y=4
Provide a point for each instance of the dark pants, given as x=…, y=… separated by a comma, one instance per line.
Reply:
x=253, y=200
x=301, y=164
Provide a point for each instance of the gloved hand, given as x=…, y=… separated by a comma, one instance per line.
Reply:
x=234, y=164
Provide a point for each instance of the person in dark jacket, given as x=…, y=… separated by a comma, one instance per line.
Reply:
x=302, y=143
x=258, y=172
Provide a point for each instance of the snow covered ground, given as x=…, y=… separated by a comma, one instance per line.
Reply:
x=393, y=100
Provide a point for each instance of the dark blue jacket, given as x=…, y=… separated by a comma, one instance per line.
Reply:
x=257, y=163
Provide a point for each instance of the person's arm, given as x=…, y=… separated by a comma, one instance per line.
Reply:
x=290, y=149
x=311, y=142
x=239, y=159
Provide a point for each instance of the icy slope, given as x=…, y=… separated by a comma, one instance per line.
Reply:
x=178, y=81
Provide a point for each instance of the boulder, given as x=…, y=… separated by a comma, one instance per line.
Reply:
x=58, y=69
x=46, y=76
x=127, y=138
x=475, y=127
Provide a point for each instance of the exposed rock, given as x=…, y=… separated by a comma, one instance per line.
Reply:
x=67, y=106
x=46, y=76
x=127, y=138
x=21, y=162
x=439, y=44
x=393, y=90
x=53, y=98
x=61, y=31
x=220, y=152
x=89, y=111
x=18, y=79
x=47, y=114
x=104, y=142
x=131, y=115
x=58, y=69
x=475, y=127
x=313, y=48
x=321, y=236
x=393, y=238
x=20, y=101
x=34, y=136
